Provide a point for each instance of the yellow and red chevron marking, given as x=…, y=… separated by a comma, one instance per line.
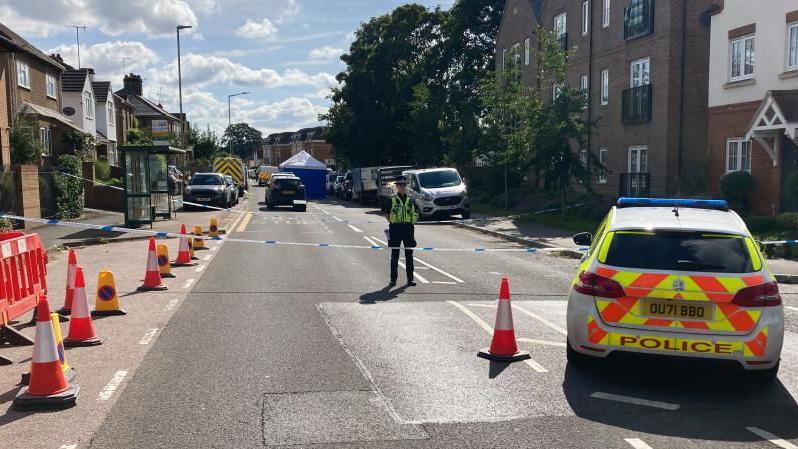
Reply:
x=595, y=334
x=757, y=346
x=719, y=290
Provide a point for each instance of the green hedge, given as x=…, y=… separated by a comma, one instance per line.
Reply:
x=68, y=190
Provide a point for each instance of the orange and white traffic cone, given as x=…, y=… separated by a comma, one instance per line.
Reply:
x=152, y=279
x=48, y=388
x=81, y=329
x=184, y=251
x=106, y=303
x=164, y=267
x=199, y=242
x=72, y=265
x=69, y=372
x=503, y=347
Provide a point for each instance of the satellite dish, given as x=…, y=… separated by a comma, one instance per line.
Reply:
x=69, y=111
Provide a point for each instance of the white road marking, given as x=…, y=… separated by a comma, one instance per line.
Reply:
x=214, y=248
x=335, y=217
x=354, y=228
x=112, y=386
x=531, y=363
x=188, y=283
x=199, y=268
x=496, y=273
x=635, y=401
x=326, y=212
x=637, y=443
x=148, y=336
x=416, y=275
x=541, y=342
x=444, y=282
x=243, y=225
x=172, y=304
x=429, y=265
x=372, y=242
x=541, y=319
x=773, y=439
x=68, y=446
x=207, y=257
x=794, y=309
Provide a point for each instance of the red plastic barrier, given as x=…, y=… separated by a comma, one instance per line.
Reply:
x=23, y=274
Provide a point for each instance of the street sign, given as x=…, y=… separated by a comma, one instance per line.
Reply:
x=160, y=130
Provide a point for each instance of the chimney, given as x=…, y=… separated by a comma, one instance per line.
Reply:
x=133, y=83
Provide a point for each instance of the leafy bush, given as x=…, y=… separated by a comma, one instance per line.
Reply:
x=6, y=225
x=25, y=147
x=68, y=190
x=115, y=182
x=81, y=143
x=736, y=185
x=102, y=170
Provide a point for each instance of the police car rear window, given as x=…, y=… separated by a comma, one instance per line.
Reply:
x=679, y=251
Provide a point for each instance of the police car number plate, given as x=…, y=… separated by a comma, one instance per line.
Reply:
x=288, y=192
x=678, y=309
x=203, y=198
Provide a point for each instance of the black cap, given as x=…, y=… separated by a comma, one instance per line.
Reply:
x=400, y=180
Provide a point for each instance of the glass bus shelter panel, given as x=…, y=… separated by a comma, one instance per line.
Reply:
x=139, y=209
x=136, y=164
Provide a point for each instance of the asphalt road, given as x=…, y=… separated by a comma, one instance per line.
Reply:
x=307, y=347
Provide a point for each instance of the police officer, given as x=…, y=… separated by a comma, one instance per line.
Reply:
x=401, y=217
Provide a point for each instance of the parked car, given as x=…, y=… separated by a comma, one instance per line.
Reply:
x=438, y=191
x=347, y=192
x=338, y=185
x=331, y=182
x=231, y=184
x=208, y=188
x=265, y=173
x=286, y=191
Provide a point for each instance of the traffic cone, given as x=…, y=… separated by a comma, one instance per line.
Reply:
x=81, y=329
x=184, y=251
x=199, y=243
x=69, y=373
x=503, y=347
x=163, y=262
x=72, y=264
x=213, y=229
x=48, y=388
x=106, y=302
x=152, y=279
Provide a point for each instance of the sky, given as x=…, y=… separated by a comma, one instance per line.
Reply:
x=286, y=53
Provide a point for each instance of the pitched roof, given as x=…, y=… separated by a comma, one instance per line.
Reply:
x=127, y=94
x=101, y=90
x=73, y=80
x=49, y=113
x=14, y=40
x=788, y=103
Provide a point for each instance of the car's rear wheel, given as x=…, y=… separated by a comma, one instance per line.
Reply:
x=763, y=375
x=466, y=215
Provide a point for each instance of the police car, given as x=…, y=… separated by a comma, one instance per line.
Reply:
x=678, y=278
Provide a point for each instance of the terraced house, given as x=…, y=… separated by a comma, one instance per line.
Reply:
x=644, y=65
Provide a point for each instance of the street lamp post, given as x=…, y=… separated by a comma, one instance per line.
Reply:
x=180, y=86
x=230, y=120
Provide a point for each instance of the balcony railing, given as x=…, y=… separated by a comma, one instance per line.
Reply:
x=636, y=104
x=563, y=40
x=638, y=19
x=634, y=184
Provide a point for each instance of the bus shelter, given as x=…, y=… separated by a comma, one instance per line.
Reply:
x=145, y=173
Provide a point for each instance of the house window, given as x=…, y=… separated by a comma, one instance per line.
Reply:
x=638, y=159
x=555, y=91
x=88, y=105
x=738, y=155
x=638, y=19
x=640, y=72
x=51, y=86
x=605, y=86
x=585, y=17
x=527, y=49
x=504, y=58
x=742, y=58
x=560, y=25
x=515, y=52
x=605, y=16
x=584, y=86
x=602, y=177
x=792, y=46
x=46, y=140
x=23, y=78
x=111, y=117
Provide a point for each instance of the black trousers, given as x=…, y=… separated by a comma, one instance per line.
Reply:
x=402, y=233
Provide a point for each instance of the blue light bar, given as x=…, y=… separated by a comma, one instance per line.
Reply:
x=673, y=202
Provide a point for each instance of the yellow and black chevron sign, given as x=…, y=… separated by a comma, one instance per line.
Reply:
x=230, y=166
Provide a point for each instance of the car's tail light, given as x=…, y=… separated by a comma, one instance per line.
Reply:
x=595, y=285
x=763, y=295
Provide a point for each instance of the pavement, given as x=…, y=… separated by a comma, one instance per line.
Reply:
x=306, y=346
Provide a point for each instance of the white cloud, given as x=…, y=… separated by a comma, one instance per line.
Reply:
x=325, y=53
x=257, y=30
x=47, y=17
x=290, y=10
x=106, y=58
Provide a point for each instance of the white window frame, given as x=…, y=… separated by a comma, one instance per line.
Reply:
x=792, y=46
x=50, y=82
x=602, y=177
x=584, y=85
x=641, y=164
x=738, y=155
x=560, y=28
x=742, y=41
x=605, y=87
x=585, y=17
x=111, y=113
x=605, y=14
x=23, y=75
x=645, y=75
x=515, y=53
x=504, y=58
x=88, y=105
x=527, y=50
x=46, y=139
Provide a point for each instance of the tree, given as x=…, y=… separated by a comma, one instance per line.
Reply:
x=242, y=139
x=206, y=143
x=82, y=144
x=25, y=145
x=138, y=136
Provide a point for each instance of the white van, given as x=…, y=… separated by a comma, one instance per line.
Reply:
x=438, y=191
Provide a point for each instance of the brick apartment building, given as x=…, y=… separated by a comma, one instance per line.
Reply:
x=280, y=146
x=753, y=98
x=644, y=64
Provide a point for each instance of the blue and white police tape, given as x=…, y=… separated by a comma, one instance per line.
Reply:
x=779, y=242
x=162, y=234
